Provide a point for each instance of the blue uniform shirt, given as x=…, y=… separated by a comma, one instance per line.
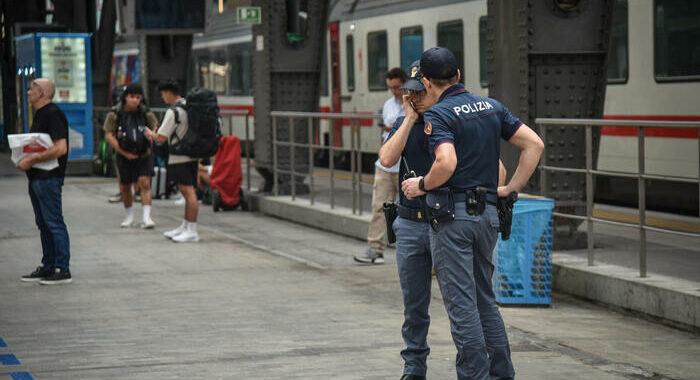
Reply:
x=474, y=125
x=417, y=156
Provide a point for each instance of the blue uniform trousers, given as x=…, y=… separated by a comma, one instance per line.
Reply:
x=462, y=254
x=415, y=266
x=45, y=195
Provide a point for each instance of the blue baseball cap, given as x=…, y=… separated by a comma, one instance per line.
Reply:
x=438, y=63
x=415, y=76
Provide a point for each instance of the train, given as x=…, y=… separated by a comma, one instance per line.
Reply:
x=653, y=74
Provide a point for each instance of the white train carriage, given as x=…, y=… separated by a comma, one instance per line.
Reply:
x=372, y=38
x=653, y=74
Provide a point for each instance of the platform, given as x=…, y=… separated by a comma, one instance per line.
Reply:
x=263, y=298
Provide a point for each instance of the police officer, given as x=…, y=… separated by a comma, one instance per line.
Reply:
x=407, y=143
x=464, y=137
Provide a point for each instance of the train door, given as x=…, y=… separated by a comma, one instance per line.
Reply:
x=337, y=124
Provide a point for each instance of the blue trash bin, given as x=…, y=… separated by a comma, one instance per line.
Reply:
x=523, y=263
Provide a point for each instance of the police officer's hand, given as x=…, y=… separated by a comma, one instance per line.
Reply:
x=410, y=188
x=410, y=112
x=504, y=191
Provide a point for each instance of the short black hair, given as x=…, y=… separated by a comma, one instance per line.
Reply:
x=169, y=85
x=133, y=88
x=397, y=73
x=442, y=83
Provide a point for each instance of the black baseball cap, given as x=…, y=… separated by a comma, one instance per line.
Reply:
x=438, y=63
x=415, y=78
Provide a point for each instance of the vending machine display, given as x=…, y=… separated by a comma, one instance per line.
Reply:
x=65, y=59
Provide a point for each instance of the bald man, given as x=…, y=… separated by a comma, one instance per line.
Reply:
x=45, y=186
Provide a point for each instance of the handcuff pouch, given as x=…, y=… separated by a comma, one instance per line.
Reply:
x=440, y=206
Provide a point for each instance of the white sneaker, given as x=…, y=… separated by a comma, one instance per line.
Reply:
x=186, y=236
x=128, y=221
x=172, y=233
x=147, y=223
x=180, y=201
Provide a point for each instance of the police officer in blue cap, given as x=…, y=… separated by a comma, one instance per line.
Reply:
x=464, y=132
x=408, y=143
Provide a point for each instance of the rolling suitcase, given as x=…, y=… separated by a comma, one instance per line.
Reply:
x=158, y=183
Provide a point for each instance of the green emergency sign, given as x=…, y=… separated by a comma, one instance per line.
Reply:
x=249, y=15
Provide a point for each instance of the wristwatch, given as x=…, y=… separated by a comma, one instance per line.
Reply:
x=421, y=185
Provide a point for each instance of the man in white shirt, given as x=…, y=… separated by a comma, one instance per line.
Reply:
x=181, y=169
x=386, y=180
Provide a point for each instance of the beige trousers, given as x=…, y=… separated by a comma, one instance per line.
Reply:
x=386, y=188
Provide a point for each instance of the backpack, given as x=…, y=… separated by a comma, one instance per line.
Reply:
x=130, y=128
x=204, y=125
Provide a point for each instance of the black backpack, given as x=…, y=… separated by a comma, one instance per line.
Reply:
x=130, y=128
x=204, y=125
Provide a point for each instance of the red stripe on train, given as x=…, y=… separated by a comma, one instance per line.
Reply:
x=677, y=133
x=240, y=107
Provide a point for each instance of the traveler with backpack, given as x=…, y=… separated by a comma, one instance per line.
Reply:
x=125, y=129
x=191, y=127
x=117, y=198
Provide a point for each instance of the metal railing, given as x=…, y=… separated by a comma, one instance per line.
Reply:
x=641, y=177
x=354, y=150
x=227, y=115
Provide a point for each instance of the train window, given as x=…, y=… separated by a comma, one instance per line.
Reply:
x=350, y=61
x=483, y=58
x=377, y=60
x=411, y=45
x=677, y=40
x=451, y=36
x=219, y=70
x=241, y=80
x=225, y=70
x=617, y=54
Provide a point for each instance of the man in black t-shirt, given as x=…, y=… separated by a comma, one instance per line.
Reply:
x=45, y=186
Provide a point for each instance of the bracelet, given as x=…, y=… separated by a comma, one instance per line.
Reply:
x=421, y=185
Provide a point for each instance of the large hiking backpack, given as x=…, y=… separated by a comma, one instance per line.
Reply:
x=130, y=129
x=203, y=125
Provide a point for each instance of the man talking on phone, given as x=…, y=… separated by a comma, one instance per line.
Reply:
x=386, y=179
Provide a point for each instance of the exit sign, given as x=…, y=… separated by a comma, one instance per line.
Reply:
x=249, y=15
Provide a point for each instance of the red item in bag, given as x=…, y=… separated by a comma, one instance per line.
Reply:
x=33, y=148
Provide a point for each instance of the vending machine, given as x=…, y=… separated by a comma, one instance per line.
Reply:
x=65, y=59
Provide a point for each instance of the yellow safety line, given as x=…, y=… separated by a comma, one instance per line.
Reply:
x=666, y=223
x=366, y=178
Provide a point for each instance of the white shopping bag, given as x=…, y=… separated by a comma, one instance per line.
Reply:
x=29, y=144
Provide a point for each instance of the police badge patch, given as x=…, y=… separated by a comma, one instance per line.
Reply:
x=428, y=129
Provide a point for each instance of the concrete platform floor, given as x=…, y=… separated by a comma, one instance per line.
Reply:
x=261, y=298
